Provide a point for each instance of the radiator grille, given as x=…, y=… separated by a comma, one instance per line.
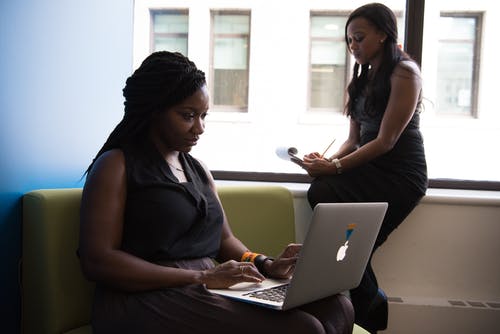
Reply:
x=444, y=302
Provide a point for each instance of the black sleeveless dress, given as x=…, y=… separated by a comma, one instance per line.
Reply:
x=179, y=225
x=398, y=177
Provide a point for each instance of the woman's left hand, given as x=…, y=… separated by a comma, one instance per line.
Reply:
x=284, y=265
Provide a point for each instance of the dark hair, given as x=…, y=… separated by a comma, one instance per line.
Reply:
x=378, y=89
x=163, y=80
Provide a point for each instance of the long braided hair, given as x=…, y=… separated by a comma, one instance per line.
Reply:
x=378, y=89
x=163, y=80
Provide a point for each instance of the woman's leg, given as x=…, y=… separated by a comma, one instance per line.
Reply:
x=369, y=303
x=335, y=313
x=367, y=185
x=193, y=309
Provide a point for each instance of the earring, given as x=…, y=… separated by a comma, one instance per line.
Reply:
x=381, y=41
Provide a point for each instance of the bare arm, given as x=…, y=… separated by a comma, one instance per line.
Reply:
x=406, y=85
x=231, y=249
x=102, y=210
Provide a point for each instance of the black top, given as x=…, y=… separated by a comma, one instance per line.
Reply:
x=407, y=158
x=165, y=219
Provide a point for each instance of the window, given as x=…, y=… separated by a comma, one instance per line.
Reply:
x=457, y=64
x=169, y=31
x=328, y=61
x=230, y=53
x=460, y=120
x=279, y=79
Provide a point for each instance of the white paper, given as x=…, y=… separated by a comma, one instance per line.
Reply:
x=288, y=153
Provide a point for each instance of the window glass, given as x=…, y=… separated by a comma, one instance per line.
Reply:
x=460, y=120
x=328, y=61
x=170, y=31
x=170, y=22
x=231, y=36
x=455, y=65
x=288, y=74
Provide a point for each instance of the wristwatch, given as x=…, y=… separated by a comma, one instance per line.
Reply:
x=338, y=165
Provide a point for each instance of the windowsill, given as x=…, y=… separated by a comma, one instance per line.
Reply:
x=433, y=195
x=460, y=196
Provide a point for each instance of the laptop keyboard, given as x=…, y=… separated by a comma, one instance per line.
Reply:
x=275, y=294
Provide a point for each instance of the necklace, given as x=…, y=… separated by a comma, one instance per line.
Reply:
x=175, y=167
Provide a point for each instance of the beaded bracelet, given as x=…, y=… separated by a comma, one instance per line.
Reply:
x=249, y=257
x=257, y=259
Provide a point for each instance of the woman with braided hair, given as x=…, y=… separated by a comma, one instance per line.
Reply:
x=152, y=224
x=383, y=158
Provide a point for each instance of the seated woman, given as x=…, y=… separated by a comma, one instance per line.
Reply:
x=152, y=224
x=383, y=158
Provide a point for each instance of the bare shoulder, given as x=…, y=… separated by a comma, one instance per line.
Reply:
x=208, y=172
x=110, y=160
x=205, y=168
x=108, y=168
x=407, y=68
x=104, y=191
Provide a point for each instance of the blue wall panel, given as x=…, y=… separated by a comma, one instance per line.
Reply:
x=62, y=67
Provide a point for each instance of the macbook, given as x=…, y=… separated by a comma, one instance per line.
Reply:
x=332, y=260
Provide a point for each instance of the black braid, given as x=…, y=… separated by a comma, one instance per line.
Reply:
x=163, y=80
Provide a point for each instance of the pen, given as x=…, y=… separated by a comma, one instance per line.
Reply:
x=328, y=147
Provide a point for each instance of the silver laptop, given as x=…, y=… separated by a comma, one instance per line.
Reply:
x=332, y=260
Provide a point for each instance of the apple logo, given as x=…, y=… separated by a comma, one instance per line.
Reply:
x=342, y=251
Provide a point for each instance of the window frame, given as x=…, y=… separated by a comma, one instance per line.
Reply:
x=228, y=108
x=153, y=35
x=413, y=44
x=348, y=62
x=478, y=16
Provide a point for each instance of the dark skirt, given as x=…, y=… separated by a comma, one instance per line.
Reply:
x=371, y=183
x=401, y=182
x=193, y=309
x=398, y=177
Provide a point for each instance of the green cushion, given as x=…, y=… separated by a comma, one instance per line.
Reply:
x=359, y=330
x=262, y=217
x=56, y=296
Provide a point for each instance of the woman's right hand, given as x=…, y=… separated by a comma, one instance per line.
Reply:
x=316, y=165
x=284, y=265
x=230, y=273
x=312, y=156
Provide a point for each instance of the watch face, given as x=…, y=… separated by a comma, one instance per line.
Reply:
x=338, y=165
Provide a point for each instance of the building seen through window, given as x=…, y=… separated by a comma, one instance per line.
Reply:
x=230, y=51
x=280, y=79
x=457, y=74
x=329, y=61
x=169, y=30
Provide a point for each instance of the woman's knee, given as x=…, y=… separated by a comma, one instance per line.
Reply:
x=303, y=322
x=335, y=313
x=318, y=192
